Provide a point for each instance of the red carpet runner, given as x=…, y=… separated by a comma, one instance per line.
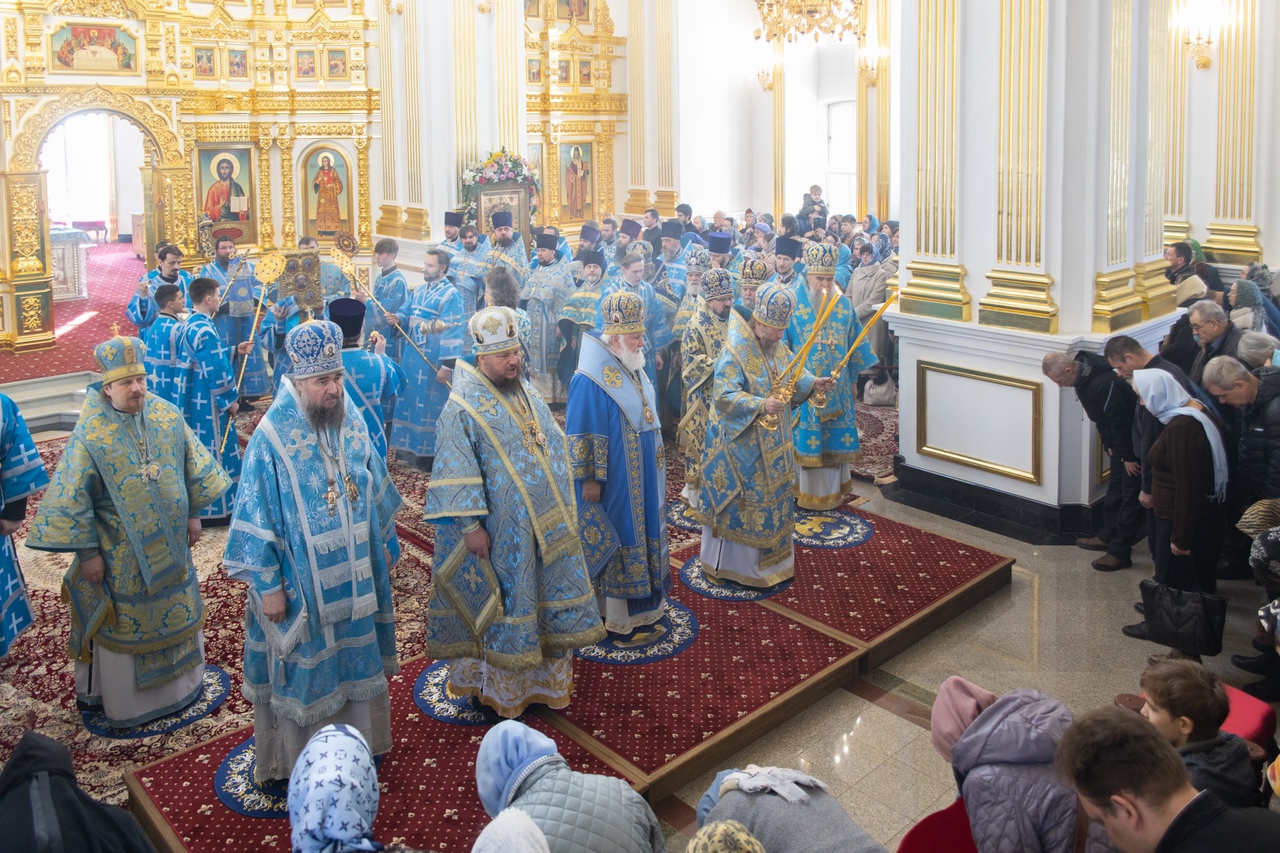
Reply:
x=79, y=325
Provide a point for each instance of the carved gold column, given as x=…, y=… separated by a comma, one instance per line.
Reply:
x=936, y=287
x=779, y=130
x=1176, y=226
x=464, y=84
x=288, y=215
x=1020, y=296
x=365, y=234
x=389, y=213
x=883, y=92
x=604, y=163
x=1155, y=291
x=638, y=194
x=1115, y=305
x=1233, y=238
x=416, y=225
x=666, y=197
x=28, y=264
x=266, y=220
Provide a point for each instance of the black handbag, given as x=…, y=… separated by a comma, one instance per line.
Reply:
x=1188, y=621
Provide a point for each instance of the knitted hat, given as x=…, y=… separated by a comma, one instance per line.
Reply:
x=958, y=704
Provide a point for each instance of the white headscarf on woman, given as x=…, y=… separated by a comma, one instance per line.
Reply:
x=1166, y=399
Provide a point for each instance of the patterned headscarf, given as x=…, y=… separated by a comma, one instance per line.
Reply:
x=724, y=836
x=1264, y=556
x=333, y=793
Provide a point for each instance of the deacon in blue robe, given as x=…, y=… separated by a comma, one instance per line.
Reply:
x=507, y=247
x=314, y=537
x=512, y=594
x=826, y=436
x=467, y=268
x=433, y=319
x=657, y=334
x=372, y=379
x=615, y=442
x=234, y=320
x=206, y=391
x=162, y=341
x=546, y=290
x=277, y=322
x=22, y=474
x=748, y=470
x=390, y=291
x=124, y=500
x=142, y=310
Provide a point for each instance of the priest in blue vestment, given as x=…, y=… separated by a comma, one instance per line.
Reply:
x=619, y=464
x=507, y=247
x=825, y=429
x=748, y=471
x=546, y=290
x=125, y=500
x=143, y=309
x=513, y=598
x=205, y=388
x=699, y=349
x=657, y=333
x=433, y=320
x=373, y=380
x=234, y=320
x=162, y=340
x=22, y=474
x=314, y=537
x=277, y=322
x=787, y=270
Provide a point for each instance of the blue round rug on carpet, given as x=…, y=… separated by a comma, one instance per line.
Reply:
x=432, y=696
x=834, y=529
x=234, y=785
x=668, y=637
x=216, y=686
x=724, y=590
x=678, y=516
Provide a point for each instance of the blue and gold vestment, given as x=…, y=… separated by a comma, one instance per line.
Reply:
x=22, y=474
x=413, y=428
x=106, y=497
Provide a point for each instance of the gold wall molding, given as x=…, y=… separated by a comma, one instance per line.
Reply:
x=936, y=287
x=638, y=194
x=780, y=128
x=884, y=91
x=936, y=290
x=1233, y=238
x=1115, y=304
x=26, y=262
x=1021, y=297
x=101, y=8
x=1019, y=300
x=285, y=138
x=464, y=84
x=585, y=103
x=365, y=234
x=416, y=224
x=1033, y=475
x=413, y=105
x=266, y=226
x=389, y=218
x=34, y=126
x=1150, y=284
x=223, y=132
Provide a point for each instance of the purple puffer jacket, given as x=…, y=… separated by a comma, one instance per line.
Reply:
x=1003, y=763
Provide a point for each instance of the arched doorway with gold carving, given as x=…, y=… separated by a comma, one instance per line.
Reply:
x=26, y=307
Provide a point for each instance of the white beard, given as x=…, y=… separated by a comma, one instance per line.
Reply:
x=632, y=361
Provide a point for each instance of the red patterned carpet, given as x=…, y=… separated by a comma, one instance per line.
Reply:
x=79, y=325
x=427, y=784
x=878, y=434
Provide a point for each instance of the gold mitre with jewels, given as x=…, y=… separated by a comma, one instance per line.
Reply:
x=120, y=358
x=495, y=330
x=716, y=284
x=623, y=313
x=821, y=259
x=774, y=305
x=755, y=272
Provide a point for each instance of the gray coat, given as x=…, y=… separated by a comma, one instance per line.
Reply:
x=1221, y=764
x=583, y=813
x=1003, y=764
x=820, y=825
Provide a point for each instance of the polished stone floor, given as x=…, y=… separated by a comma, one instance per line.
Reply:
x=1055, y=628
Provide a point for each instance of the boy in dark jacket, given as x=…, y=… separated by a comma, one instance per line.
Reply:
x=1186, y=704
x=1110, y=403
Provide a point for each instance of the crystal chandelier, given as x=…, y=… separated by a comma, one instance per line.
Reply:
x=794, y=19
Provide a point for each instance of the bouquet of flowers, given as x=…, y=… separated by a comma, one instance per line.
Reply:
x=499, y=167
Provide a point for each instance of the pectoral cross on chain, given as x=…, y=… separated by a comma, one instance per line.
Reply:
x=332, y=496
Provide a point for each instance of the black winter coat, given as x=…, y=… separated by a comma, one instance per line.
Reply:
x=1146, y=426
x=1205, y=824
x=1108, y=401
x=1259, y=452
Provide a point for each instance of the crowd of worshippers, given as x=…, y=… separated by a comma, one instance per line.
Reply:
x=1192, y=437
